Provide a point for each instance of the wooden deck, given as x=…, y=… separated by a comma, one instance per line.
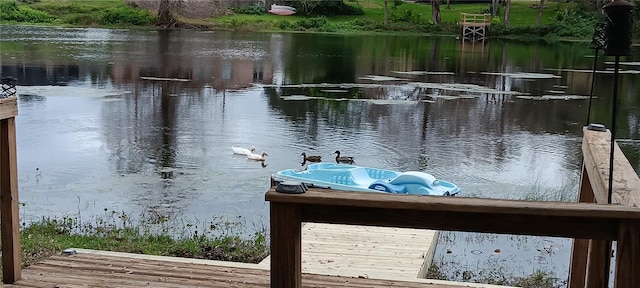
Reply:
x=366, y=251
x=90, y=268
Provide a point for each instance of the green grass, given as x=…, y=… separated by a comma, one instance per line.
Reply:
x=154, y=235
x=107, y=13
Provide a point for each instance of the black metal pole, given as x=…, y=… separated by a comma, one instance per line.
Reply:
x=607, y=262
x=613, y=126
x=593, y=81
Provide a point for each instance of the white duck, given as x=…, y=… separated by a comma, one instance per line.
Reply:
x=258, y=157
x=243, y=151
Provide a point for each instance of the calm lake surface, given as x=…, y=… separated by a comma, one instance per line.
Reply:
x=97, y=131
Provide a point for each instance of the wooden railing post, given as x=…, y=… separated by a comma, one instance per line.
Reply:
x=11, y=263
x=596, y=263
x=628, y=255
x=286, y=245
x=580, y=248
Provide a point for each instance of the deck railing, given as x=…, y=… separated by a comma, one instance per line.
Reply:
x=590, y=223
x=475, y=19
x=9, y=191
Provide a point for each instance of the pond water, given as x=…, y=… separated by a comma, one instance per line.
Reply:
x=98, y=131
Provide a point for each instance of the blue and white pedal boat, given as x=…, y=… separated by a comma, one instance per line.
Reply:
x=366, y=179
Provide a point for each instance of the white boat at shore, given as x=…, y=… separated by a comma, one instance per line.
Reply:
x=282, y=10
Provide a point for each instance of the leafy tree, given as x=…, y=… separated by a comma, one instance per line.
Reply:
x=324, y=7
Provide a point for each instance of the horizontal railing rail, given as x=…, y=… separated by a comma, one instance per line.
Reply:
x=474, y=18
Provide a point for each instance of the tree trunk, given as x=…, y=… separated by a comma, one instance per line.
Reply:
x=435, y=11
x=385, y=13
x=165, y=19
x=448, y=4
x=540, y=12
x=507, y=11
x=494, y=8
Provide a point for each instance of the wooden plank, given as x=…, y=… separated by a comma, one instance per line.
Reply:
x=286, y=237
x=580, y=247
x=578, y=266
x=365, y=251
x=164, y=260
x=98, y=269
x=8, y=108
x=626, y=183
x=9, y=215
x=596, y=258
x=382, y=201
x=428, y=257
x=628, y=256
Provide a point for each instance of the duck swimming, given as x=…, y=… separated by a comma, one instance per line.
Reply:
x=343, y=159
x=257, y=157
x=243, y=151
x=306, y=158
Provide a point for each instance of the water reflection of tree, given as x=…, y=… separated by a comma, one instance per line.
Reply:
x=148, y=124
x=166, y=153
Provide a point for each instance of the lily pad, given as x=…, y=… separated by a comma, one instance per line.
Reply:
x=523, y=75
x=299, y=98
x=51, y=91
x=423, y=72
x=554, y=97
x=381, y=78
x=334, y=90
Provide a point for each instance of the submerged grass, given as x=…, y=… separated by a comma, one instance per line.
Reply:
x=538, y=279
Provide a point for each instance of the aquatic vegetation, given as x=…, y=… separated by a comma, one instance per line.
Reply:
x=538, y=279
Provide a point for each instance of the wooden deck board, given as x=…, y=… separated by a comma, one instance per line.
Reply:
x=365, y=251
x=111, y=269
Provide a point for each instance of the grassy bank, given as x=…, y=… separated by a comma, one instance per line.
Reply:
x=559, y=19
x=152, y=234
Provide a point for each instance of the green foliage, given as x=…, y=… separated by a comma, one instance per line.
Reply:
x=285, y=25
x=396, y=3
x=12, y=13
x=366, y=24
x=404, y=14
x=250, y=10
x=538, y=279
x=496, y=21
x=81, y=19
x=326, y=8
x=123, y=16
x=311, y=23
x=571, y=22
